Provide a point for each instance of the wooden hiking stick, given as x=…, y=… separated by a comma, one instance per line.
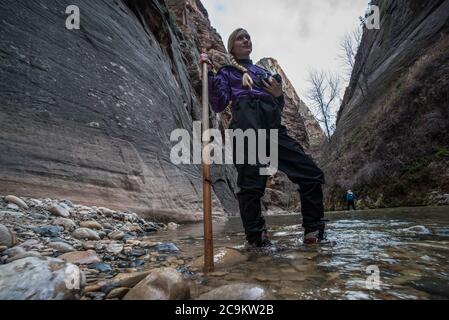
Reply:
x=207, y=183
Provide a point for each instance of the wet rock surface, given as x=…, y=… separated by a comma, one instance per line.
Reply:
x=40, y=279
x=161, y=284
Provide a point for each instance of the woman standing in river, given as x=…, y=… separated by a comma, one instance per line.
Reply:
x=257, y=100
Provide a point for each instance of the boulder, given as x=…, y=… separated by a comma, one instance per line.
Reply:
x=40, y=279
x=160, y=284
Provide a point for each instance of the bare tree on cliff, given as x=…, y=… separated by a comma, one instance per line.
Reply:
x=323, y=94
x=349, y=46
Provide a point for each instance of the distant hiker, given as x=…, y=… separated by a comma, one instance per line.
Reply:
x=350, y=199
x=257, y=100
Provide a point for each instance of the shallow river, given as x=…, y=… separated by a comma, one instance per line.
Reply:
x=399, y=253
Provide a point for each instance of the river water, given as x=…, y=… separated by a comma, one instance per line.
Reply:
x=399, y=253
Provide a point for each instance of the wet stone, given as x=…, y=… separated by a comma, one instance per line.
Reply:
x=81, y=257
x=59, y=211
x=167, y=247
x=38, y=216
x=101, y=267
x=23, y=255
x=61, y=247
x=96, y=295
x=85, y=233
x=149, y=228
x=48, y=231
x=17, y=201
x=114, y=248
x=67, y=224
x=108, y=258
x=137, y=252
x=90, y=224
x=12, y=206
x=117, y=293
x=434, y=286
x=116, y=235
x=136, y=263
x=123, y=265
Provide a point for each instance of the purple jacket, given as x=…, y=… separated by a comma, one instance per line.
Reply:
x=227, y=86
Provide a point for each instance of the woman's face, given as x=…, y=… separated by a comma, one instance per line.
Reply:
x=242, y=45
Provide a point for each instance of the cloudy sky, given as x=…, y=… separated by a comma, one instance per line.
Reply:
x=300, y=34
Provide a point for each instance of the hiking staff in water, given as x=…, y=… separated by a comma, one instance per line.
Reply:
x=207, y=183
x=257, y=100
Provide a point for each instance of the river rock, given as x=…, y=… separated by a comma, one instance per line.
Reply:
x=14, y=251
x=81, y=257
x=90, y=224
x=160, y=284
x=64, y=206
x=48, y=231
x=149, y=227
x=108, y=226
x=167, y=247
x=39, y=216
x=136, y=252
x=172, y=226
x=117, y=293
x=23, y=255
x=129, y=227
x=116, y=235
x=237, y=292
x=85, y=234
x=12, y=206
x=67, y=224
x=223, y=258
x=61, y=247
x=59, y=211
x=114, y=248
x=129, y=280
x=40, y=279
x=7, y=237
x=107, y=212
x=17, y=201
x=422, y=230
x=31, y=244
x=102, y=267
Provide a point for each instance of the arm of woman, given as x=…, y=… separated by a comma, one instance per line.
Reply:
x=220, y=92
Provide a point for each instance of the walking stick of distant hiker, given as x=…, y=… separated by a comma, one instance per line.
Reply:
x=207, y=183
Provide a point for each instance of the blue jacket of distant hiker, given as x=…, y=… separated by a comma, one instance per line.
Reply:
x=226, y=86
x=350, y=196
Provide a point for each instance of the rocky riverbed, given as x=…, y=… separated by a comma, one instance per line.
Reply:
x=55, y=249
x=51, y=249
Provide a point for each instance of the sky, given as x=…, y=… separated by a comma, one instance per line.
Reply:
x=300, y=34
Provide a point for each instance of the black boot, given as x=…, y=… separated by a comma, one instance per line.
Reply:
x=314, y=236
